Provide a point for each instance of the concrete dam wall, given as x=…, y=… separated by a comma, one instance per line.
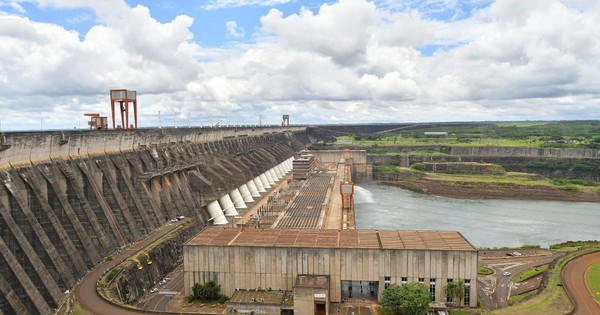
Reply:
x=67, y=200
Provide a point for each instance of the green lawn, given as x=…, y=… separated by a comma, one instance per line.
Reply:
x=592, y=279
x=481, y=270
x=530, y=273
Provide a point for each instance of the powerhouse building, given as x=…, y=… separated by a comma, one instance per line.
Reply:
x=357, y=264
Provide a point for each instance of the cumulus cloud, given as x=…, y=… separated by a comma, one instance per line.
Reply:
x=234, y=31
x=345, y=61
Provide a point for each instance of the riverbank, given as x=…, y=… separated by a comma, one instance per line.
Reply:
x=476, y=189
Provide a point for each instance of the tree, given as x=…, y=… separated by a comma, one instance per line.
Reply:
x=390, y=299
x=209, y=291
x=411, y=299
x=455, y=290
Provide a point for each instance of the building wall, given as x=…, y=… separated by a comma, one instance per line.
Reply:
x=304, y=300
x=276, y=267
x=361, y=168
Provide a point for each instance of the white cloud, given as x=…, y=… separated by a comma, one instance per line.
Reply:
x=234, y=31
x=223, y=4
x=340, y=31
x=348, y=61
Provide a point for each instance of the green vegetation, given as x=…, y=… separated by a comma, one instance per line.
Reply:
x=206, y=293
x=455, y=290
x=572, y=246
x=77, y=310
x=592, y=279
x=418, y=167
x=573, y=134
x=553, y=300
x=572, y=189
x=530, y=246
x=459, y=312
x=484, y=271
x=530, y=273
x=520, y=297
x=409, y=299
x=112, y=274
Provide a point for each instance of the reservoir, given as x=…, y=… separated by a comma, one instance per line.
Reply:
x=485, y=223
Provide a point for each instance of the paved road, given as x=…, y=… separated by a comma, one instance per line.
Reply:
x=495, y=290
x=85, y=291
x=160, y=300
x=573, y=278
x=352, y=309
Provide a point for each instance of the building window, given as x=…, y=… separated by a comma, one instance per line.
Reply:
x=404, y=280
x=432, y=289
x=467, y=292
x=387, y=280
x=421, y=280
x=448, y=298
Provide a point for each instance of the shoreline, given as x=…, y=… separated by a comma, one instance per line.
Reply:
x=466, y=190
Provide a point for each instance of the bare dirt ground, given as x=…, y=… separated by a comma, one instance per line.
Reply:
x=573, y=278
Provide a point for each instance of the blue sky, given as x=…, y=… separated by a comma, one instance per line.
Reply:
x=210, y=17
x=238, y=61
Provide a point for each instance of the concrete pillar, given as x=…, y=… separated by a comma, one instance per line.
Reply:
x=259, y=185
x=274, y=175
x=270, y=178
x=264, y=180
x=216, y=214
x=253, y=189
x=227, y=206
x=277, y=171
x=282, y=169
x=246, y=194
x=237, y=199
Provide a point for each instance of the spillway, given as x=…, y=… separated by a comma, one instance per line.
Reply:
x=70, y=199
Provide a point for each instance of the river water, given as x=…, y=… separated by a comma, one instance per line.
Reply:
x=485, y=223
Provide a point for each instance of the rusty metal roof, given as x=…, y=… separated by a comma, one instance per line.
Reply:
x=426, y=240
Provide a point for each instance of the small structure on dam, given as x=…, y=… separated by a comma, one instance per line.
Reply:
x=348, y=264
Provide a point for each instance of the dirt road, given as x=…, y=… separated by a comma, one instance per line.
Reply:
x=573, y=278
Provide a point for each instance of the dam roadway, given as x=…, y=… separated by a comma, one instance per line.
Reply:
x=85, y=291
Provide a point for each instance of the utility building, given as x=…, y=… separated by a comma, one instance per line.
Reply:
x=350, y=264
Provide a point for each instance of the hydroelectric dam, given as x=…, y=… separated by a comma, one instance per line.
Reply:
x=70, y=199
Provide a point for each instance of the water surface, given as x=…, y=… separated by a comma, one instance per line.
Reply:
x=485, y=223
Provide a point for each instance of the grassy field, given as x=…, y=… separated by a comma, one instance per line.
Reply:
x=517, y=134
x=592, y=279
x=530, y=273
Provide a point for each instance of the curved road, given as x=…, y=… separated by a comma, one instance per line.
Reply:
x=85, y=291
x=573, y=278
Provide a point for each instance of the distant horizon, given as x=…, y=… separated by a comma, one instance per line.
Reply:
x=298, y=125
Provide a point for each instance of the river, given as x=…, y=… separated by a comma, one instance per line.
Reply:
x=485, y=223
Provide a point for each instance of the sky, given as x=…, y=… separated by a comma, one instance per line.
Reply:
x=232, y=62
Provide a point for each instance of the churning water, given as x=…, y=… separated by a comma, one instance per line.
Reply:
x=485, y=223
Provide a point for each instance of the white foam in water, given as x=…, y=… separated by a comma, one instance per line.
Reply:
x=362, y=195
